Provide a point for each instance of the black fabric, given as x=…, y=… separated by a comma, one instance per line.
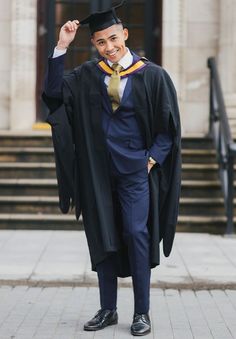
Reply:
x=101, y=20
x=64, y=156
x=157, y=111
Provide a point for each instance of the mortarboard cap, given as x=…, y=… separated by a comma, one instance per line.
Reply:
x=101, y=20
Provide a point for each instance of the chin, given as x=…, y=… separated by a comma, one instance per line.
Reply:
x=114, y=59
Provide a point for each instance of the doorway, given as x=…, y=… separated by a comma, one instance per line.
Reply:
x=142, y=18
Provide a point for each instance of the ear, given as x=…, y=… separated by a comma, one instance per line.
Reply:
x=92, y=41
x=126, y=33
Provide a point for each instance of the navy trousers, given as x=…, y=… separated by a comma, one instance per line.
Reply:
x=133, y=194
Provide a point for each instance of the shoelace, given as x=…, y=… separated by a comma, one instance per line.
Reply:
x=142, y=317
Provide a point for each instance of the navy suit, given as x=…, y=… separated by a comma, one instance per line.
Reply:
x=129, y=178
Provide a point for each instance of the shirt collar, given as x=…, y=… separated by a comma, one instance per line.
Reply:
x=125, y=61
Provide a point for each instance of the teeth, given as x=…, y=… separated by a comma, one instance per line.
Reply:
x=112, y=54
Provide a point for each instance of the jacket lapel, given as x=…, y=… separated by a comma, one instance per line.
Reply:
x=142, y=106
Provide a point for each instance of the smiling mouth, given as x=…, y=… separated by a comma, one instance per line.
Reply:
x=113, y=53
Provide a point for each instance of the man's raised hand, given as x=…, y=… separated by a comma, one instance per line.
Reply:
x=67, y=34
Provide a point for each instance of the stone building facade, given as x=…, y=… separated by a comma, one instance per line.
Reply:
x=192, y=31
x=18, y=64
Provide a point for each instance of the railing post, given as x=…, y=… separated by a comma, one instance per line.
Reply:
x=225, y=146
x=230, y=196
x=211, y=108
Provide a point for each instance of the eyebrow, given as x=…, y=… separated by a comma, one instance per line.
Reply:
x=112, y=36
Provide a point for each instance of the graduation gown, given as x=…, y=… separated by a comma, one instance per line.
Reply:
x=82, y=160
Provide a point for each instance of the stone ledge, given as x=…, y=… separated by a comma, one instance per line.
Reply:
x=25, y=133
x=194, y=285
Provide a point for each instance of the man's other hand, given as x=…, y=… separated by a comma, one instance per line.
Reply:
x=150, y=166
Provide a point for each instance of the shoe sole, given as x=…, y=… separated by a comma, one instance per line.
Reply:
x=115, y=322
x=140, y=334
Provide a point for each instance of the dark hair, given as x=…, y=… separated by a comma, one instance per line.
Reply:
x=118, y=24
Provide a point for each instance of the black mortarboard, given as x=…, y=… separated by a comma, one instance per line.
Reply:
x=101, y=20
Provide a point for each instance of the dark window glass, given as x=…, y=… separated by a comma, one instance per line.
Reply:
x=80, y=49
x=143, y=18
x=136, y=38
x=65, y=12
x=132, y=14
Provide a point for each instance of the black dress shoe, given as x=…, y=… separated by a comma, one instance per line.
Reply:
x=141, y=324
x=102, y=319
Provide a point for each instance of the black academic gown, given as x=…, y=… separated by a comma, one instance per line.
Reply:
x=82, y=160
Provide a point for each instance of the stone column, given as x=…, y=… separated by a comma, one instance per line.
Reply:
x=174, y=42
x=227, y=57
x=5, y=66
x=23, y=64
x=190, y=37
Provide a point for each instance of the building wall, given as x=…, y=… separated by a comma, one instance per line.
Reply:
x=5, y=65
x=191, y=35
x=17, y=64
x=23, y=64
x=227, y=57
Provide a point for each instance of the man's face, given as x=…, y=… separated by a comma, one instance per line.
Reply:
x=110, y=42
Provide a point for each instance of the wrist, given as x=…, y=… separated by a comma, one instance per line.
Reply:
x=61, y=46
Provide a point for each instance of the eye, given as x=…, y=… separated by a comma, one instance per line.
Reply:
x=101, y=43
x=113, y=38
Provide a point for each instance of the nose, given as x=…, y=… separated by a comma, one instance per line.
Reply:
x=109, y=46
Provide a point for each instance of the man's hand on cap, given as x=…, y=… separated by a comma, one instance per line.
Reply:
x=67, y=34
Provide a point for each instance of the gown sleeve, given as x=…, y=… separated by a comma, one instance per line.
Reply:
x=169, y=120
x=59, y=99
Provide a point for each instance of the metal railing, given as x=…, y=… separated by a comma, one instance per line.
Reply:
x=224, y=144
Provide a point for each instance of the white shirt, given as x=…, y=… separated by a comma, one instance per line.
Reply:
x=125, y=62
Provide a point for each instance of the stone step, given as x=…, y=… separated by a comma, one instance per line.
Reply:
x=43, y=139
x=11, y=170
x=35, y=187
x=45, y=154
x=38, y=187
x=192, y=171
x=39, y=221
x=29, y=191
x=26, y=139
x=203, y=206
x=201, y=188
x=30, y=204
x=205, y=156
x=49, y=205
x=50, y=221
x=201, y=171
x=197, y=143
x=203, y=224
x=26, y=154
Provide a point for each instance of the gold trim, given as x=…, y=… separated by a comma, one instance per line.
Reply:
x=133, y=68
x=41, y=126
x=130, y=70
x=106, y=68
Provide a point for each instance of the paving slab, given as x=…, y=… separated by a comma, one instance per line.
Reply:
x=35, y=257
x=60, y=313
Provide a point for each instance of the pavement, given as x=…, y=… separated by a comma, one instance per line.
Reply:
x=60, y=313
x=47, y=258
x=47, y=289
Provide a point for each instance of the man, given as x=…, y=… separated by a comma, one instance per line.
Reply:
x=116, y=134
